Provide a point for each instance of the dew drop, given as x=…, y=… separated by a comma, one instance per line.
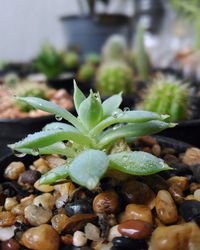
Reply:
x=117, y=113
x=126, y=109
x=125, y=158
x=20, y=155
x=117, y=126
x=58, y=117
x=35, y=151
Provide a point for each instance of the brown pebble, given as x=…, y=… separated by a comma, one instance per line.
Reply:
x=194, y=186
x=6, y=219
x=135, y=229
x=147, y=140
x=13, y=170
x=78, y=221
x=166, y=208
x=29, y=177
x=41, y=237
x=192, y=156
x=106, y=202
x=11, y=244
x=156, y=150
x=171, y=159
x=170, y=151
x=176, y=193
x=180, y=181
x=185, y=236
x=67, y=239
x=137, y=212
x=59, y=222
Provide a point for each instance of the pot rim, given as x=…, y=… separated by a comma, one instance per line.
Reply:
x=26, y=119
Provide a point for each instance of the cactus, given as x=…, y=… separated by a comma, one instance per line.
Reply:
x=10, y=80
x=114, y=77
x=25, y=89
x=86, y=72
x=115, y=48
x=139, y=56
x=168, y=96
x=93, y=58
x=49, y=62
x=71, y=60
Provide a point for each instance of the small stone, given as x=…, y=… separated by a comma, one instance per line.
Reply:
x=197, y=194
x=176, y=193
x=180, y=181
x=156, y=150
x=192, y=156
x=7, y=233
x=79, y=239
x=166, y=208
x=45, y=188
x=10, y=202
x=13, y=170
x=113, y=233
x=41, y=237
x=171, y=159
x=137, y=212
x=11, y=244
x=29, y=177
x=37, y=215
x=135, y=229
x=67, y=239
x=59, y=222
x=127, y=243
x=65, y=189
x=106, y=202
x=92, y=232
x=78, y=207
x=184, y=236
x=46, y=200
x=6, y=219
x=190, y=210
x=194, y=186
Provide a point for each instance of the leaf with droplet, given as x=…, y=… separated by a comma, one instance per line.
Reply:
x=111, y=104
x=137, y=163
x=88, y=168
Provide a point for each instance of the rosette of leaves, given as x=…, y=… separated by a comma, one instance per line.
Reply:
x=113, y=77
x=49, y=62
x=71, y=59
x=168, y=96
x=25, y=89
x=86, y=72
x=90, y=136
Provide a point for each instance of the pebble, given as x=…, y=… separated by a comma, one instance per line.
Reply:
x=190, y=210
x=67, y=239
x=166, y=208
x=59, y=222
x=92, y=232
x=46, y=200
x=137, y=212
x=184, y=237
x=176, y=193
x=106, y=202
x=13, y=170
x=180, y=181
x=113, y=233
x=29, y=177
x=156, y=150
x=79, y=239
x=135, y=229
x=45, y=188
x=65, y=189
x=37, y=215
x=7, y=233
x=194, y=186
x=78, y=207
x=6, y=219
x=197, y=194
x=41, y=237
x=156, y=182
x=10, y=202
x=127, y=243
x=11, y=244
x=78, y=221
x=192, y=156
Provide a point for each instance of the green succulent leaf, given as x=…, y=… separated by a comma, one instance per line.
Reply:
x=90, y=111
x=58, y=125
x=127, y=117
x=79, y=97
x=132, y=130
x=137, y=163
x=52, y=108
x=88, y=168
x=54, y=175
x=111, y=104
x=46, y=138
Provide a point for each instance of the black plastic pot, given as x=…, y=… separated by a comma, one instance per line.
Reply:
x=89, y=34
x=12, y=130
x=65, y=82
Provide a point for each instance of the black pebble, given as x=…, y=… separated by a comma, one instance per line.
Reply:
x=190, y=210
x=127, y=243
x=78, y=207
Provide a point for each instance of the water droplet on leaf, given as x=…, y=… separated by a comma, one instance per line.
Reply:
x=117, y=113
x=58, y=117
x=126, y=109
x=35, y=151
x=117, y=126
x=19, y=155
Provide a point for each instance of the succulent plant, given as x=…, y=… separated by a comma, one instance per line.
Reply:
x=140, y=59
x=113, y=77
x=86, y=72
x=71, y=59
x=169, y=96
x=93, y=58
x=50, y=62
x=91, y=136
x=24, y=89
x=11, y=79
x=115, y=48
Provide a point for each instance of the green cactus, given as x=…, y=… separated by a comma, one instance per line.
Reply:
x=140, y=59
x=10, y=80
x=49, y=62
x=86, y=72
x=114, y=77
x=168, y=96
x=93, y=58
x=71, y=59
x=25, y=89
x=115, y=48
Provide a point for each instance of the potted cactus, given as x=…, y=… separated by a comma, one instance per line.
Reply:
x=71, y=61
x=102, y=190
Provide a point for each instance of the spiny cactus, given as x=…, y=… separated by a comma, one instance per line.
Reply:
x=50, y=62
x=71, y=59
x=168, y=96
x=86, y=72
x=114, y=77
x=25, y=89
x=115, y=48
x=93, y=58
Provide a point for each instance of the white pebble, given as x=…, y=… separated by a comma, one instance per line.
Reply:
x=92, y=232
x=197, y=194
x=6, y=233
x=114, y=233
x=79, y=239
